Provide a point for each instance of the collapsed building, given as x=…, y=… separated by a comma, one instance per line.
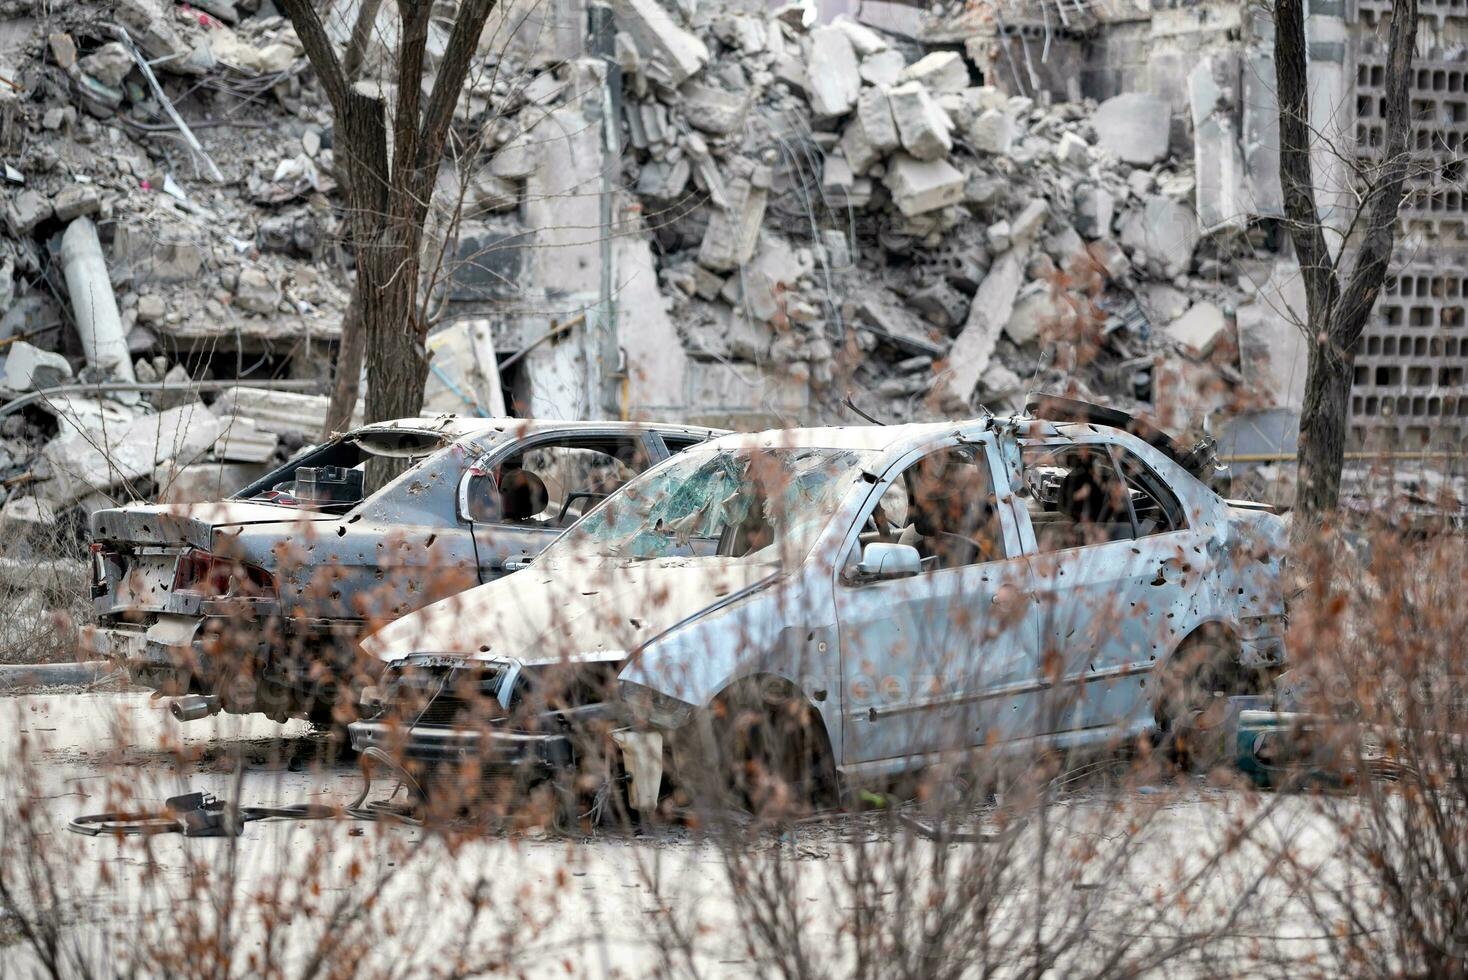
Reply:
x=711, y=211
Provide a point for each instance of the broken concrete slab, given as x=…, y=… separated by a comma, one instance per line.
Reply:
x=668, y=52
x=81, y=462
x=863, y=39
x=1163, y=233
x=920, y=186
x=157, y=254
x=991, y=132
x=1199, y=328
x=733, y=232
x=883, y=68
x=25, y=211
x=923, y=126
x=1134, y=127
x=284, y=413
x=939, y=71
x=835, y=74
x=992, y=307
x=881, y=311
x=28, y=368
x=872, y=134
x=1030, y=221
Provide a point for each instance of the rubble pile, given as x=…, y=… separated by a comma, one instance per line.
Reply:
x=851, y=210
x=138, y=247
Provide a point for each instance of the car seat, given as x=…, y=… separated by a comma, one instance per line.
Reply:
x=522, y=495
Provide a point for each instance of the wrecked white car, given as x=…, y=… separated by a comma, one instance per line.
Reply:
x=256, y=603
x=877, y=596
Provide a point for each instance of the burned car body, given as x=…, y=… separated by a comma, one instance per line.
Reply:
x=907, y=591
x=255, y=603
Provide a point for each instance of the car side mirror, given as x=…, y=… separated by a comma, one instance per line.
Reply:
x=880, y=559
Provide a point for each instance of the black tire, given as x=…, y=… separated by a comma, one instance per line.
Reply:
x=1190, y=705
x=772, y=757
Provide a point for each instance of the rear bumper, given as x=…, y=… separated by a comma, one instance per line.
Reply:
x=166, y=655
x=547, y=751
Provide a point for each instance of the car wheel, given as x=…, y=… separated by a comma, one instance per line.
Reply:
x=772, y=756
x=1193, y=701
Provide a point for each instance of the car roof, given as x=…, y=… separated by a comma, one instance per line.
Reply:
x=455, y=427
x=859, y=437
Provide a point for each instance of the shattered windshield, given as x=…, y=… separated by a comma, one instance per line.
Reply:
x=755, y=505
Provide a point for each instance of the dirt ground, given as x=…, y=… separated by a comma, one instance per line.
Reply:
x=531, y=903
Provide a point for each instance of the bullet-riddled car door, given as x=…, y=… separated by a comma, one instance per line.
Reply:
x=920, y=654
x=1111, y=545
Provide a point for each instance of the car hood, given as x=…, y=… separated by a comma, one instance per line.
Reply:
x=190, y=524
x=581, y=611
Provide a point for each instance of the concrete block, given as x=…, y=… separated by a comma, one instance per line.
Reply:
x=733, y=232
x=920, y=186
x=940, y=71
x=1072, y=151
x=1133, y=127
x=255, y=293
x=1030, y=221
x=991, y=132
x=923, y=126
x=1163, y=233
x=28, y=368
x=668, y=52
x=26, y=210
x=75, y=201
x=835, y=75
x=1095, y=207
x=664, y=181
x=864, y=40
x=712, y=109
x=1199, y=328
x=883, y=68
x=199, y=483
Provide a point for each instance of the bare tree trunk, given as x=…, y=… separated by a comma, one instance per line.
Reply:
x=388, y=200
x=348, y=370
x=1336, y=314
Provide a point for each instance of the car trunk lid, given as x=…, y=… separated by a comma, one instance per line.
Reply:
x=191, y=525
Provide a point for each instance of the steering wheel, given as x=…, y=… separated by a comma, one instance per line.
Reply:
x=578, y=495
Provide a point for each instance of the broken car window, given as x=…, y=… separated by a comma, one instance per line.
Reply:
x=1155, y=507
x=1076, y=497
x=552, y=485
x=943, y=505
x=746, y=504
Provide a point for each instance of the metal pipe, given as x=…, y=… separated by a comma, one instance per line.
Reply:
x=93, y=302
x=107, y=387
x=192, y=707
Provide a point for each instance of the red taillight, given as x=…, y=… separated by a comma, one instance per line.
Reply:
x=200, y=573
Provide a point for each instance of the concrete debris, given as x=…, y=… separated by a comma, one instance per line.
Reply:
x=921, y=186
x=1134, y=128
x=243, y=441
x=733, y=231
x=29, y=368
x=1199, y=328
x=941, y=71
x=81, y=462
x=922, y=125
x=991, y=131
x=667, y=52
x=992, y=307
x=834, y=73
x=1161, y=235
x=283, y=413
x=98, y=321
